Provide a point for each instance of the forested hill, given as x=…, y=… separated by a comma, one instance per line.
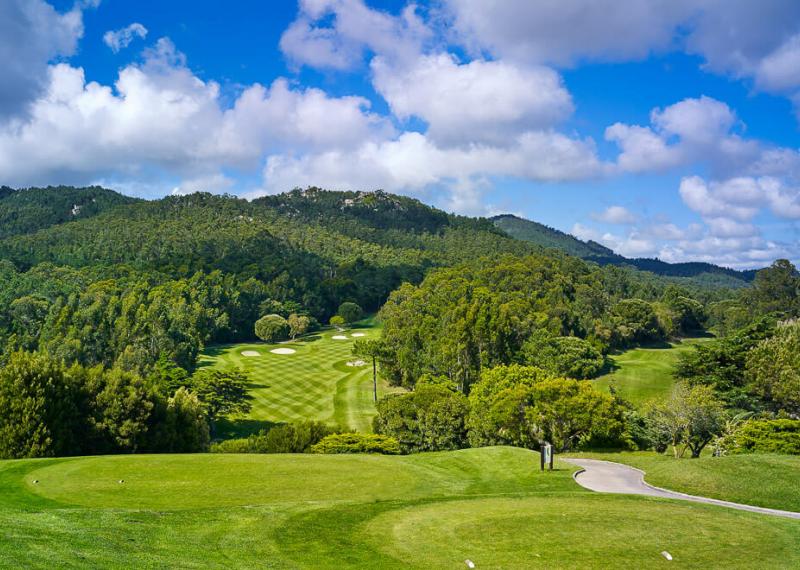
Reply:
x=539, y=234
x=26, y=211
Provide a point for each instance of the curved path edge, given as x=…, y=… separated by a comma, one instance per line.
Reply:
x=610, y=477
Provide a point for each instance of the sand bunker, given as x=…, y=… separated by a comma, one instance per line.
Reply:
x=356, y=363
x=283, y=351
x=339, y=337
x=250, y=353
x=357, y=334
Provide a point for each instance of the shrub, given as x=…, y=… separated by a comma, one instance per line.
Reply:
x=337, y=321
x=768, y=436
x=285, y=438
x=357, y=443
x=272, y=328
x=350, y=312
x=431, y=418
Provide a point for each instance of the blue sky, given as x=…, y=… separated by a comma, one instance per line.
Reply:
x=664, y=129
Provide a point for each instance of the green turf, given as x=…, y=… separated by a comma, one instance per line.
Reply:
x=314, y=383
x=762, y=480
x=435, y=510
x=643, y=374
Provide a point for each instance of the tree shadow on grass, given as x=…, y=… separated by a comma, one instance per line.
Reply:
x=231, y=428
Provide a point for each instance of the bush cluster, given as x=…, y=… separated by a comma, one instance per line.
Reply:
x=285, y=438
x=357, y=443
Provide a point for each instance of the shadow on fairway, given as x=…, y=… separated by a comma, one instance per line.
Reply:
x=228, y=428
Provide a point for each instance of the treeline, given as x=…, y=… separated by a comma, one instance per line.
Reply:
x=552, y=311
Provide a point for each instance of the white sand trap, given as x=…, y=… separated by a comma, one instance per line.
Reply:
x=357, y=334
x=283, y=351
x=356, y=363
x=339, y=337
x=250, y=353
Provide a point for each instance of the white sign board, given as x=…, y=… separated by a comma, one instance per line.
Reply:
x=548, y=453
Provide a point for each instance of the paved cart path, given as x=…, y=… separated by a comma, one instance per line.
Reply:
x=609, y=477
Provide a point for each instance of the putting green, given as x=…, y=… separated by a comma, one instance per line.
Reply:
x=436, y=510
x=312, y=382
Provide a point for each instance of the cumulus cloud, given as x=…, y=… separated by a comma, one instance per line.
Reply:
x=32, y=33
x=334, y=34
x=412, y=163
x=122, y=38
x=564, y=32
x=689, y=131
x=161, y=115
x=615, y=215
x=479, y=101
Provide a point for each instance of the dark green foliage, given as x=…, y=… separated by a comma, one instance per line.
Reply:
x=286, y=438
x=350, y=312
x=272, y=328
x=776, y=289
x=567, y=356
x=686, y=314
x=39, y=408
x=222, y=392
x=525, y=406
x=357, y=443
x=26, y=211
x=431, y=418
x=773, y=369
x=634, y=322
x=47, y=409
x=722, y=364
x=767, y=436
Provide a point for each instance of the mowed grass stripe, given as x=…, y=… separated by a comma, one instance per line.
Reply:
x=314, y=383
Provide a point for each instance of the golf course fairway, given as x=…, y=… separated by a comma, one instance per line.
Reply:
x=491, y=506
x=315, y=377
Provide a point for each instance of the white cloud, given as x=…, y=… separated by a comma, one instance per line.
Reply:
x=122, y=38
x=32, y=33
x=353, y=28
x=412, y=163
x=615, y=215
x=690, y=131
x=160, y=115
x=479, y=101
x=567, y=31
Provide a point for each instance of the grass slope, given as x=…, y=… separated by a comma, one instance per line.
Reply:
x=314, y=383
x=771, y=481
x=433, y=510
x=643, y=374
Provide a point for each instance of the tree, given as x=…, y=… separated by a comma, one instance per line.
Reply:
x=691, y=417
x=39, y=408
x=372, y=350
x=773, y=369
x=525, y=406
x=634, y=322
x=183, y=428
x=563, y=356
x=298, y=325
x=221, y=392
x=776, y=289
x=272, y=328
x=350, y=312
x=431, y=418
x=121, y=404
x=337, y=321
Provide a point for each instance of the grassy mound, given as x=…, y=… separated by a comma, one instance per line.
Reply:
x=489, y=505
x=312, y=383
x=643, y=374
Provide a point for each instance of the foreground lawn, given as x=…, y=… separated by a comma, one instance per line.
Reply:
x=313, y=383
x=491, y=506
x=762, y=480
x=644, y=374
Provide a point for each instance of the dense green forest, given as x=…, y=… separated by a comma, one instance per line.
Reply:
x=114, y=299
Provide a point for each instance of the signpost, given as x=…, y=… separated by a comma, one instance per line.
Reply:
x=546, y=455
